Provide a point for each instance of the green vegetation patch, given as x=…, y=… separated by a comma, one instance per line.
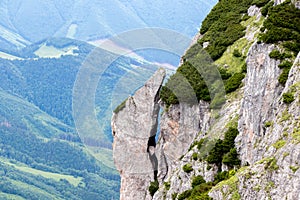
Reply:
x=184, y=195
x=234, y=82
x=222, y=26
x=279, y=144
x=195, y=156
x=224, y=150
x=167, y=185
x=197, y=180
x=285, y=64
x=294, y=168
x=231, y=158
x=236, y=53
x=120, y=107
x=174, y=196
x=71, y=179
x=235, y=64
x=282, y=25
x=283, y=76
x=187, y=168
x=288, y=97
x=260, y=3
x=276, y=54
x=232, y=190
x=154, y=186
x=296, y=136
x=270, y=163
x=265, y=9
x=196, y=79
x=285, y=116
x=268, y=124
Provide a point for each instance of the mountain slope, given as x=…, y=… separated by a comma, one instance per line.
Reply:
x=42, y=158
x=92, y=20
x=242, y=145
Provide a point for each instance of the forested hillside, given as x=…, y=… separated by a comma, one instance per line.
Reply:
x=41, y=154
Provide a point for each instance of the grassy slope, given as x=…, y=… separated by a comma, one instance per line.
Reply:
x=40, y=128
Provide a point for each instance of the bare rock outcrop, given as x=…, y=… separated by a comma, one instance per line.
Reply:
x=179, y=127
x=133, y=124
x=272, y=150
x=261, y=88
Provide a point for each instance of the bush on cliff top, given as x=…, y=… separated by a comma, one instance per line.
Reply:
x=222, y=26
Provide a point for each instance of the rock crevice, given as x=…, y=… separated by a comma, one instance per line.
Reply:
x=133, y=151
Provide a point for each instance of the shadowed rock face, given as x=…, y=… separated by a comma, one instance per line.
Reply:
x=132, y=127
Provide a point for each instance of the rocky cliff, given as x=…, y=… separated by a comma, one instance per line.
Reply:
x=134, y=126
x=260, y=120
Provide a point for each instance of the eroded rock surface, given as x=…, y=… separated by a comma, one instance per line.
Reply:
x=132, y=127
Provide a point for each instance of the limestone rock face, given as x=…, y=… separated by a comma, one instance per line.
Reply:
x=132, y=127
x=179, y=127
x=254, y=11
x=258, y=105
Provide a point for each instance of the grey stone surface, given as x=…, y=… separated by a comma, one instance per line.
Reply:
x=132, y=126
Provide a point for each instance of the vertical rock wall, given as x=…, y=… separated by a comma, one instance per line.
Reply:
x=132, y=126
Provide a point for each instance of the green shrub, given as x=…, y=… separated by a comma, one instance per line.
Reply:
x=216, y=153
x=174, y=196
x=153, y=187
x=197, y=180
x=271, y=164
x=167, y=185
x=189, y=83
x=244, y=68
x=236, y=53
x=288, y=97
x=192, y=145
x=260, y=3
x=282, y=24
x=200, y=143
x=284, y=76
x=186, y=93
x=222, y=26
x=279, y=144
x=224, y=73
x=268, y=124
x=275, y=54
x=187, y=168
x=184, y=195
x=234, y=82
x=222, y=147
x=221, y=176
x=229, y=138
x=292, y=46
x=208, y=167
x=231, y=158
x=294, y=168
x=201, y=191
x=195, y=156
x=285, y=64
x=265, y=9
x=168, y=96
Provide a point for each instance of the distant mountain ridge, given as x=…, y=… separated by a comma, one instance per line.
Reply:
x=24, y=22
